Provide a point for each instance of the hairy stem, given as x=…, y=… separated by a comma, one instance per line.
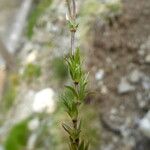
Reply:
x=74, y=9
x=69, y=8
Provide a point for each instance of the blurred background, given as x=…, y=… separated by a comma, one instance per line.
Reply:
x=114, y=37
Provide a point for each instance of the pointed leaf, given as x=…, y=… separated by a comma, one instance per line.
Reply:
x=67, y=128
x=72, y=90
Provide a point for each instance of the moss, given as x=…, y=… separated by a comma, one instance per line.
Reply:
x=11, y=91
x=17, y=138
x=114, y=7
x=94, y=7
x=59, y=69
x=91, y=7
x=9, y=97
x=31, y=71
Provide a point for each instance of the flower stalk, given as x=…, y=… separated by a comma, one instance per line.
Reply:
x=75, y=93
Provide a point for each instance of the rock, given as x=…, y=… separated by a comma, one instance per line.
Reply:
x=141, y=52
x=44, y=101
x=104, y=89
x=135, y=76
x=144, y=125
x=140, y=100
x=146, y=83
x=147, y=59
x=100, y=75
x=23, y=109
x=125, y=87
x=143, y=99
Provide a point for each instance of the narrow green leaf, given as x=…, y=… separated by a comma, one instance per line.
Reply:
x=67, y=128
x=81, y=147
x=87, y=146
x=72, y=90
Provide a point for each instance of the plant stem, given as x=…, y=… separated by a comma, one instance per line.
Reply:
x=72, y=17
x=78, y=85
x=74, y=10
x=69, y=8
x=72, y=42
x=73, y=32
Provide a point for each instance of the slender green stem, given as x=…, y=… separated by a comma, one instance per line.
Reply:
x=75, y=70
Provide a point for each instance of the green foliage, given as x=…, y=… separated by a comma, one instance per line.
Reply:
x=15, y=79
x=11, y=91
x=114, y=8
x=73, y=98
x=32, y=71
x=36, y=13
x=9, y=96
x=94, y=7
x=59, y=69
x=74, y=66
x=17, y=138
x=90, y=122
x=72, y=26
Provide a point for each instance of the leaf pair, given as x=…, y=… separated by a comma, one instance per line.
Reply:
x=72, y=26
x=74, y=66
x=82, y=87
x=73, y=97
x=74, y=134
x=71, y=107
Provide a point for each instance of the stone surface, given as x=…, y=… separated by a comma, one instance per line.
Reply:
x=125, y=87
x=100, y=74
x=135, y=76
x=144, y=125
x=146, y=83
x=147, y=59
x=44, y=101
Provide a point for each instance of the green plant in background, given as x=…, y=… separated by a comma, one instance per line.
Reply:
x=17, y=138
x=77, y=87
x=9, y=97
x=59, y=69
x=35, y=14
x=31, y=71
x=90, y=122
x=114, y=7
x=11, y=91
